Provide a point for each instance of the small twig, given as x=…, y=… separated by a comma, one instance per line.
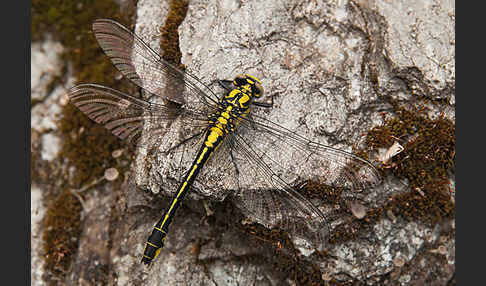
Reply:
x=76, y=192
x=93, y=183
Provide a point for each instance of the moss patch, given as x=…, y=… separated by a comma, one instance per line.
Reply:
x=430, y=152
x=169, y=32
x=61, y=231
x=69, y=22
x=285, y=259
x=86, y=146
x=427, y=158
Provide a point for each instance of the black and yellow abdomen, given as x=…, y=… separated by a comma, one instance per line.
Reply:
x=233, y=107
x=156, y=240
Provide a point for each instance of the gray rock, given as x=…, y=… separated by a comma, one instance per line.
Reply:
x=37, y=211
x=317, y=61
x=45, y=65
x=421, y=34
x=325, y=65
x=50, y=146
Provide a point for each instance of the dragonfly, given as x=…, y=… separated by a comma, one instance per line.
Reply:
x=233, y=139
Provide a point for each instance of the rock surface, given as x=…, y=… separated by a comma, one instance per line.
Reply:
x=36, y=214
x=324, y=64
x=45, y=65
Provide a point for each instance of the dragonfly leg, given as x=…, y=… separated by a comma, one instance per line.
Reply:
x=234, y=162
x=232, y=156
x=226, y=84
x=184, y=141
x=264, y=104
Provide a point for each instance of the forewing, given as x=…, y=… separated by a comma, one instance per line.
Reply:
x=147, y=69
x=126, y=116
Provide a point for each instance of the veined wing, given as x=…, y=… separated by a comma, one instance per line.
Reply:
x=266, y=176
x=147, y=69
x=271, y=201
x=309, y=161
x=126, y=116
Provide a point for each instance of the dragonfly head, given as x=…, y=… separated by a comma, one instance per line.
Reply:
x=254, y=84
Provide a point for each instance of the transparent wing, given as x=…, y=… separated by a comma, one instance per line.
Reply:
x=307, y=160
x=273, y=202
x=129, y=117
x=147, y=69
x=279, y=159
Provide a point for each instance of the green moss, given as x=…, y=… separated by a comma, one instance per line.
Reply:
x=62, y=226
x=300, y=272
x=69, y=22
x=314, y=190
x=169, y=42
x=428, y=157
x=86, y=146
x=426, y=160
x=35, y=158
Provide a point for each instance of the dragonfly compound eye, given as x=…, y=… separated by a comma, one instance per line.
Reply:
x=240, y=80
x=256, y=85
x=258, y=89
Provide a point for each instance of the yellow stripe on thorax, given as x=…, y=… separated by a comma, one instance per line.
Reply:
x=244, y=98
x=217, y=131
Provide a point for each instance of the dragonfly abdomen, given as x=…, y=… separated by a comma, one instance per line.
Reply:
x=156, y=240
x=232, y=108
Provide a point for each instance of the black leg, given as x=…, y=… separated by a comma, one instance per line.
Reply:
x=234, y=162
x=226, y=84
x=263, y=104
x=231, y=144
x=185, y=140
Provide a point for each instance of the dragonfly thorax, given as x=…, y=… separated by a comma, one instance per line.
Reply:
x=233, y=107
